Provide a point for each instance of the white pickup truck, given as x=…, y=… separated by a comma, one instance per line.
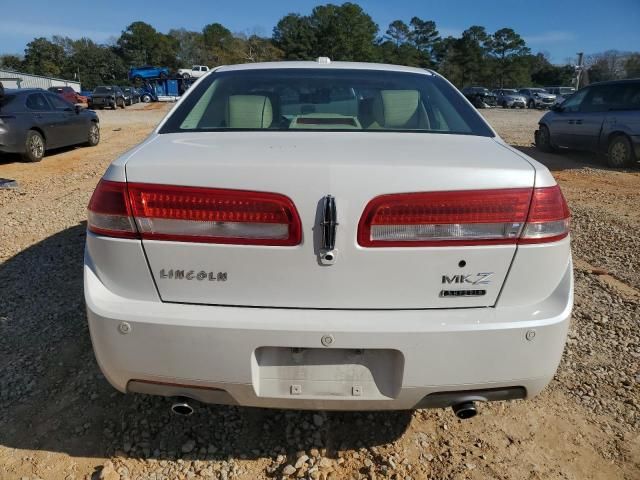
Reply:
x=196, y=71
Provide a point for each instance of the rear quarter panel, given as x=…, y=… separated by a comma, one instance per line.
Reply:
x=14, y=139
x=626, y=122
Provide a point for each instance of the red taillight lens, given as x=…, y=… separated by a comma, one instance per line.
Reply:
x=192, y=214
x=109, y=213
x=548, y=218
x=470, y=217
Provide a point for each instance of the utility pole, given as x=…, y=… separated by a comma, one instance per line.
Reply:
x=579, y=67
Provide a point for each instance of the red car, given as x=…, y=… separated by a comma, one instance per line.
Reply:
x=69, y=94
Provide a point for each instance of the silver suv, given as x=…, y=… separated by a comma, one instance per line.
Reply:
x=509, y=98
x=537, y=97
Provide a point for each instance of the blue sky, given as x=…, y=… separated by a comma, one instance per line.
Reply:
x=559, y=27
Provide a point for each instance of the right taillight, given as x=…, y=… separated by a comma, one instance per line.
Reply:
x=548, y=218
x=463, y=218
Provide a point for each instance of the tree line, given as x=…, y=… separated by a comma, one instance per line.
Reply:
x=341, y=32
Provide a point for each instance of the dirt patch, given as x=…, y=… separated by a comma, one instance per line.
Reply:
x=59, y=419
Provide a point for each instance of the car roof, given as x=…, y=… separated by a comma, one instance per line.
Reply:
x=15, y=91
x=617, y=82
x=325, y=66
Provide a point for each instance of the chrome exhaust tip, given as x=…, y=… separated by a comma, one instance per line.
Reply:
x=465, y=410
x=182, y=407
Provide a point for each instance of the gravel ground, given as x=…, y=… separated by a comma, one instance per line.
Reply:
x=59, y=419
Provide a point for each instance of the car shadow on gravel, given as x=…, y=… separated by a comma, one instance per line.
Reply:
x=569, y=160
x=54, y=398
x=8, y=158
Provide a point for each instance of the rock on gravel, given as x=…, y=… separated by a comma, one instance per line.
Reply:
x=289, y=470
x=108, y=472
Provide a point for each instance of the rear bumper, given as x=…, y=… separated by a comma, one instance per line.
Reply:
x=267, y=357
x=99, y=101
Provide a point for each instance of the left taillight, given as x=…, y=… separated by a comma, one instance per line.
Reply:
x=193, y=214
x=109, y=211
x=213, y=215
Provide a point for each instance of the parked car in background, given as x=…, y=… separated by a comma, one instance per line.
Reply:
x=33, y=121
x=132, y=93
x=128, y=100
x=479, y=96
x=69, y=94
x=253, y=250
x=107, y=96
x=138, y=74
x=561, y=93
x=603, y=117
x=196, y=71
x=537, y=97
x=509, y=98
x=86, y=94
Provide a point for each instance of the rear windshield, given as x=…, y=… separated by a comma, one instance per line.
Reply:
x=328, y=100
x=103, y=90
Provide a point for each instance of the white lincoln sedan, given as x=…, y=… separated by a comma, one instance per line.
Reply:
x=318, y=235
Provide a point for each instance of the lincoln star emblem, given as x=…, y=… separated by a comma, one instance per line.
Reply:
x=329, y=225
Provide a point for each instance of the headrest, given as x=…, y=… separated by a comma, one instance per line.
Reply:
x=396, y=108
x=249, y=111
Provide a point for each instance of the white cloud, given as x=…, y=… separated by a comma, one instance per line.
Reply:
x=550, y=37
x=29, y=29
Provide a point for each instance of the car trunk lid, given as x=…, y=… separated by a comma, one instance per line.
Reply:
x=353, y=168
